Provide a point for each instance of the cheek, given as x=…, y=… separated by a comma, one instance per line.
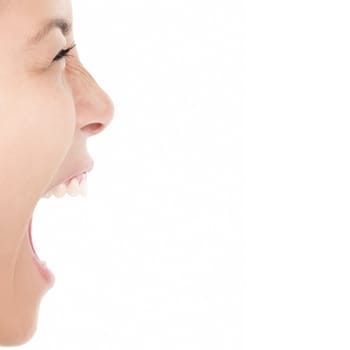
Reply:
x=52, y=116
x=55, y=121
x=37, y=128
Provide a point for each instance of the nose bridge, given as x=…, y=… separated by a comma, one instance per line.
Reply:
x=94, y=107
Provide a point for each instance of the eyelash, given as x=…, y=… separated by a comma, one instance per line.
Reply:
x=63, y=53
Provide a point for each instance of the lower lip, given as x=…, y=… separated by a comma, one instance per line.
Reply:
x=47, y=275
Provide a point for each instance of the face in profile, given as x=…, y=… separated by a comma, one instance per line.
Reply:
x=49, y=106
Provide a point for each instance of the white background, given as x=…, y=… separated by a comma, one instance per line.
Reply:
x=218, y=209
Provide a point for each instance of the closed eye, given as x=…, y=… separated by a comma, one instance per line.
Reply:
x=63, y=53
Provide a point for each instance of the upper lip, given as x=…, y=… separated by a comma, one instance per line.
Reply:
x=81, y=168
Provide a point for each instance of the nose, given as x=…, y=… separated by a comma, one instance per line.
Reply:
x=94, y=107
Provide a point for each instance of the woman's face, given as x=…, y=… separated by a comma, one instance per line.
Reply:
x=48, y=109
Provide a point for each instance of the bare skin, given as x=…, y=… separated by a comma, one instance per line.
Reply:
x=47, y=112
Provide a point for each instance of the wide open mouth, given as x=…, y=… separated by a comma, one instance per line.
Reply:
x=73, y=187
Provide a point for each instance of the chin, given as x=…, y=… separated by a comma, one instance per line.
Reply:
x=20, y=329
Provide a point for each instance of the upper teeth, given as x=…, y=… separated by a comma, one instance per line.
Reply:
x=73, y=188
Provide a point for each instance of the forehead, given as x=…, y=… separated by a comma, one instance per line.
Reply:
x=22, y=19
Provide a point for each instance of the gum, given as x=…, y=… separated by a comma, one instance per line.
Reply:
x=79, y=178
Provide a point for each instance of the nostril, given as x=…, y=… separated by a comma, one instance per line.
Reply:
x=94, y=128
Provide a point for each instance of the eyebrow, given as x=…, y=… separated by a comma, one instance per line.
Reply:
x=63, y=24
